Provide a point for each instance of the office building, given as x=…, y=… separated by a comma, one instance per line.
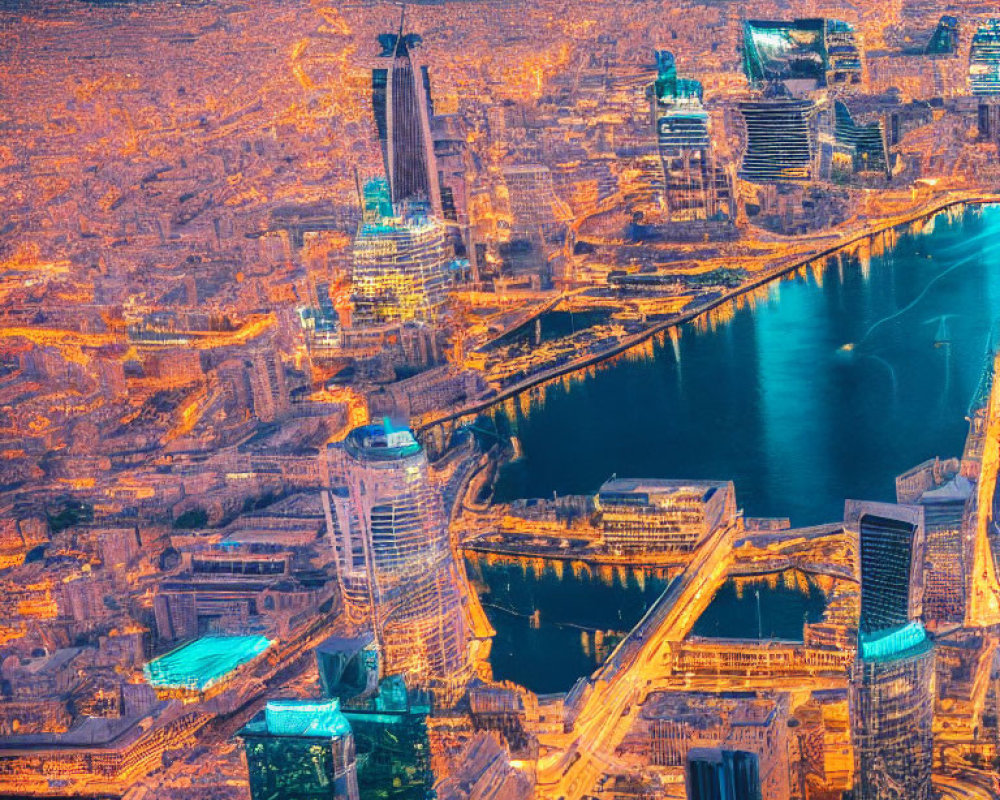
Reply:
x=866, y=141
x=715, y=774
x=401, y=259
x=984, y=59
x=695, y=187
x=393, y=748
x=802, y=55
x=891, y=551
x=393, y=555
x=891, y=692
x=780, y=139
x=650, y=515
x=944, y=39
x=300, y=750
x=892, y=711
x=401, y=100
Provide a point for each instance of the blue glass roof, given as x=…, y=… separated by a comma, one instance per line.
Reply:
x=204, y=662
x=320, y=718
x=892, y=643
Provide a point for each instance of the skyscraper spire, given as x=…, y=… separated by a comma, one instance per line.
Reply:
x=402, y=106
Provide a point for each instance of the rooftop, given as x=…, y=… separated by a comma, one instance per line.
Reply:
x=200, y=664
x=307, y=718
x=909, y=639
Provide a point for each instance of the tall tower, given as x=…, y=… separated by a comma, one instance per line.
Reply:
x=401, y=100
x=400, y=270
x=393, y=556
x=696, y=187
x=892, y=682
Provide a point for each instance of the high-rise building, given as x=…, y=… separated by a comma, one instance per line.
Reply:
x=390, y=734
x=781, y=140
x=801, y=54
x=891, y=692
x=891, y=541
x=984, y=59
x=944, y=39
x=715, y=774
x=892, y=714
x=401, y=259
x=301, y=750
x=394, y=558
x=401, y=100
x=695, y=186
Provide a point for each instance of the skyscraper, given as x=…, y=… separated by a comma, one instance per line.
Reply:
x=393, y=555
x=781, y=140
x=401, y=99
x=891, y=693
x=715, y=774
x=891, y=539
x=695, y=186
x=984, y=59
x=300, y=750
x=400, y=271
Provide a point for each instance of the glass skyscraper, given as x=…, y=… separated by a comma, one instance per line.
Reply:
x=300, y=750
x=984, y=59
x=891, y=692
x=394, y=558
x=401, y=100
x=715, y=774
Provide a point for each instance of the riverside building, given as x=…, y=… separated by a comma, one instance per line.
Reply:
x=654, y=516
x=891, y=692
x=393, y=556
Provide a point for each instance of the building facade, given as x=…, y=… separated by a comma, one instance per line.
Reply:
x=648, y=516
x=301, y=750
x=892, y=680
x=393, y=556
x=401, y=100
x=400, y=262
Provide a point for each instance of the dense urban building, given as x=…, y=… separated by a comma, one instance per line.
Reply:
x=311, y=380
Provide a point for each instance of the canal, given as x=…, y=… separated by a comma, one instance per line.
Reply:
x=824, y=386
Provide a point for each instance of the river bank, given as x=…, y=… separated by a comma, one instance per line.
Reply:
x=760, y=279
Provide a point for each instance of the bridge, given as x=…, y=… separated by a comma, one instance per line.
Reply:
x=658, y=655
x=571, y=763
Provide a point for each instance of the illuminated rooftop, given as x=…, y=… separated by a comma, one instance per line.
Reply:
x=894, y=643
x=309, y=718
x=201, y=664
x=381, y=442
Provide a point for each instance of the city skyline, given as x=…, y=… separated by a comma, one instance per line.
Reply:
x=508, y=400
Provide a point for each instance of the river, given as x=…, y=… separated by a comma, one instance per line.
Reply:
x=823, y=386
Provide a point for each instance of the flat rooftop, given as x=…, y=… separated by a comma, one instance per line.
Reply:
x=661, y=486
x=201, y=664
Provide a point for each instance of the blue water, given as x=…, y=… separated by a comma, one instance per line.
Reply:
x=773, y=401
